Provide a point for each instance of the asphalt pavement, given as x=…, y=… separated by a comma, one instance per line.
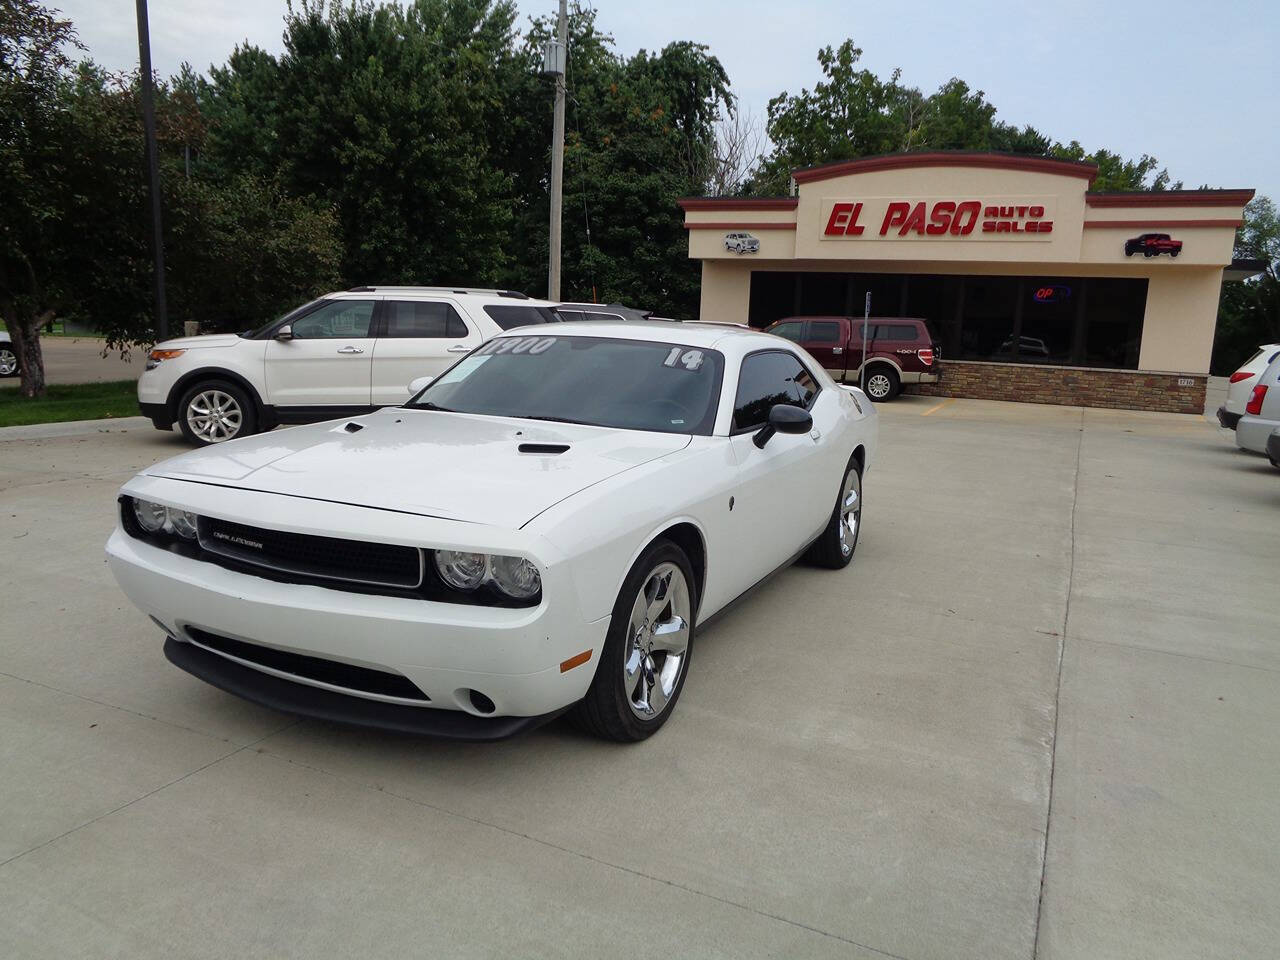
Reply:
x=82, y=360
x=1035, y=717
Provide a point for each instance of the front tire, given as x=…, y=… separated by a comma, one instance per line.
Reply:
x=646, y=651
x=9, y=366
x=215, y=411
x=834, y=549
x=883, y=383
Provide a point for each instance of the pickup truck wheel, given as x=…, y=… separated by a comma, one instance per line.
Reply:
x=834, y=548
x=883, y=383
x=646, y=650
x=215, y=411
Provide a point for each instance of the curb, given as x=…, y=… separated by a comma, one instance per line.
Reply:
x=74, y=428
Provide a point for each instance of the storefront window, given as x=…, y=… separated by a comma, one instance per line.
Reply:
x=1113, y=328
x=1047, y=334
x=987, y=324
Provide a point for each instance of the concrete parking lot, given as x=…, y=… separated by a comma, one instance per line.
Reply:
x=1035, y=717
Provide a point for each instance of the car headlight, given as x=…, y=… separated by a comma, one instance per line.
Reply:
x=515, y=577
x=462, y=571
x=151, y=516
x=156, y=518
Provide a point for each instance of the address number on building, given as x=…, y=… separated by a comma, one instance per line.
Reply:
x=1186, y=382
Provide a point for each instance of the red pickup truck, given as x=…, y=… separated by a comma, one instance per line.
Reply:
x=899, y=350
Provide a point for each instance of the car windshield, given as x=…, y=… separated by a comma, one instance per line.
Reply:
x=602, y=381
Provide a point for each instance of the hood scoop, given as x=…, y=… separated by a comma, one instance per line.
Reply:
x=351, y=427
x=547, y=449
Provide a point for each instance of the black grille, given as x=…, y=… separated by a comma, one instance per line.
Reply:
x=345, y=675
x=330, y=558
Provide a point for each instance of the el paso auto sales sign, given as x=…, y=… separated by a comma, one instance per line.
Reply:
x=963, y=218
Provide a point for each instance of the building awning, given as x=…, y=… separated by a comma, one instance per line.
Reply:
x=1242, y=269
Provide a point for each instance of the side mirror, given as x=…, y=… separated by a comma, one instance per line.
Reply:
x=783, y=418
x=418, y=384
x=285, y=333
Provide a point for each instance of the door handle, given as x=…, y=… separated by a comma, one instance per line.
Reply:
x=350, y=350
x=458, y=348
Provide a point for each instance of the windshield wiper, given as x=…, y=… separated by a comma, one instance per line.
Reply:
x=428, y=405
x=581, y=423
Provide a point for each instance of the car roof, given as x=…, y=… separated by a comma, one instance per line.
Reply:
x=730, y=338
x=512, y=297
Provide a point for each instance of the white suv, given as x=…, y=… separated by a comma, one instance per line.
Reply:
x=343, y=354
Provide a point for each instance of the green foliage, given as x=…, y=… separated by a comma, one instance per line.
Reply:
x=1249, y=313
x=854, y=113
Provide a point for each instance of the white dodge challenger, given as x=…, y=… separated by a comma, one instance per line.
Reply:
x=542, y=528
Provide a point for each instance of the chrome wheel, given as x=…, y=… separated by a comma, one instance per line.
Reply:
x=850, y=512
x=657, y=641
x=8, y=363
x=878, y=386
x=214, y=416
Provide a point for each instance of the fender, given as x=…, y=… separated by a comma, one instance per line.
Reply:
x=214, y=373
x=656, y=533
x=872, y=359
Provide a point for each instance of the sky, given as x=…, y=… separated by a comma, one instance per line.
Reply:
x=1191, y=83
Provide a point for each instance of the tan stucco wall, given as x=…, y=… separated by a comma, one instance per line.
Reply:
x=726, y=292
x=1182, y=310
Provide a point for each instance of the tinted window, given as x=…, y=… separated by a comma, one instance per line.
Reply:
x=768, y=379
x=570, y=315
x=422, y=318
x=336, y=320
x=512, y=316
x=601, y=316
x=790, y=331
x=824, y=331
x=630, y=384
x=894, y=331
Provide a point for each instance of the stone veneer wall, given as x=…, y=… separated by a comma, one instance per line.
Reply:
x=1069, y=386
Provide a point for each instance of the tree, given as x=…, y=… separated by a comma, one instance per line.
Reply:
x=1249, y=312
x=34, y=143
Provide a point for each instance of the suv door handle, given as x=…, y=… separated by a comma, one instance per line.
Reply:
x=350, y=350
x=458, y=348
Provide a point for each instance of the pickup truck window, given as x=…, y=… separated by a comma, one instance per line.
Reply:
x=894, y=331
x=768, y=378
x=789, y=331
x=824, y=331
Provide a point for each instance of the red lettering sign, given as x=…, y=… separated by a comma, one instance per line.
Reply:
x=957, y=218
x=843, y=221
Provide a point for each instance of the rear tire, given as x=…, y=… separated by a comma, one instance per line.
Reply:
x=646, y=651
x=883, y=383
x=834, y=549
x=214, y=411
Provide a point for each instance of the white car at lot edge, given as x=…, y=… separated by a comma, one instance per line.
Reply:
x=542, y=528
x=1261, y=412
x=8, y=358
x=1241, y=383
x=345, y=353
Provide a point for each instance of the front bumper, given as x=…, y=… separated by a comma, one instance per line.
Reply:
x=446, y=650
x=279, y=694
x=1228, y=419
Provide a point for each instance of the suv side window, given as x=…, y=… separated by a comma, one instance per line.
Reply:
x=768, y=378
x=790, y=331
x=422, y=318
x=508, y=317
x=824, y=331
x=336, y=320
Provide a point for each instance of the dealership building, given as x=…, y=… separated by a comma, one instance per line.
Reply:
x=1035, y=288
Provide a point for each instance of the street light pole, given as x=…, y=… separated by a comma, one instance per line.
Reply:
x=153, y=166
x=557, y=156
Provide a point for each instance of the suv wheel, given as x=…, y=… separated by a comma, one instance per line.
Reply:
x=883, y=383
x=8, y=361
x=215, y=411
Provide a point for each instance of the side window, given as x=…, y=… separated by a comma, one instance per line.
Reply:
x=423, y=318
x=790, y=331
x=336, y=320
x=570, y=315
x=601, y=316
x=824, y=331
x=508, y=317
x=767, y=379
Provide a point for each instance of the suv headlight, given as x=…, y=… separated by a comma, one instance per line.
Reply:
x=515, y=577
x=155, y=357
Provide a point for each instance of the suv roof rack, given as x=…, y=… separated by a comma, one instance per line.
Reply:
x=484, y=291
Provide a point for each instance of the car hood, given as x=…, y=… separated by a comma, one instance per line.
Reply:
x=208, y=340
x=454, y=466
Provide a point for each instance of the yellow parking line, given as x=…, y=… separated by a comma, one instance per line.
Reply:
x=939, y=406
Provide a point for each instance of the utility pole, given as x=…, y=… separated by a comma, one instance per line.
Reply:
x=153, y=166
x=556, y=68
